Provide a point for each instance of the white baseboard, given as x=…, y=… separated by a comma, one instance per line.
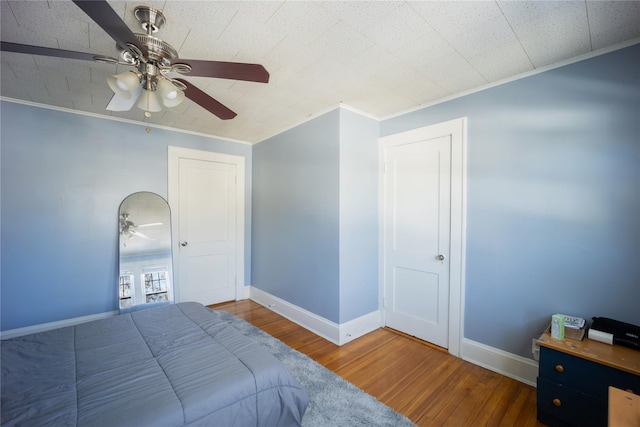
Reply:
x=246, y=292
x=331, y=331
x=505, y=363
x=12, y=333
x=358, y=327
x=496, y=360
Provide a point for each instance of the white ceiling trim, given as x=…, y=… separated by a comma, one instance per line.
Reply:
x=321, y=113
x=118, y=119
x=540, y=70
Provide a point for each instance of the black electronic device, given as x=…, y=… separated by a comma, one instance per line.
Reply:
x=623, y=333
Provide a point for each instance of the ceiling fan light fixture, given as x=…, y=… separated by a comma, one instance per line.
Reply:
x=149, y=101
x=171, y=96
x=124, y=84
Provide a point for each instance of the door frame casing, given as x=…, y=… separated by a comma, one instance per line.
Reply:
x=174, y=154
x=457, y=129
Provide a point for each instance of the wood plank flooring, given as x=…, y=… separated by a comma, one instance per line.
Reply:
x=422, y=382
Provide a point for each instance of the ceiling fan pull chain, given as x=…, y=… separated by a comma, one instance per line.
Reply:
x=148, y=117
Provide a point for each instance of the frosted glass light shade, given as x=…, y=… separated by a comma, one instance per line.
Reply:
x=124, y=84
x=169, y=93
x=149, y=101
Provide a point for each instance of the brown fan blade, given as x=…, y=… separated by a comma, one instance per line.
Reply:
x=206, y=102
x=226, y=70
x=47, y=51
x=110, y=21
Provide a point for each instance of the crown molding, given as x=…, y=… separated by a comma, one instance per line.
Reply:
x=118, y=119
x=321, y=113
x=534, y=72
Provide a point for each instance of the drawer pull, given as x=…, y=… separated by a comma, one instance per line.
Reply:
x=557, y=402
x=559, y=368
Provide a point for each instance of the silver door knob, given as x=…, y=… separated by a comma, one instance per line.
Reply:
x=184, y=243
x=440, y=257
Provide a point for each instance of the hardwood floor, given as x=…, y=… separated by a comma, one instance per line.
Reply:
x=423, y=382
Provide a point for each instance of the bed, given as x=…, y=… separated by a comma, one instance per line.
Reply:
x=175, y=365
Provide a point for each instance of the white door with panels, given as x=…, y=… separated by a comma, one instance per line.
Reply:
x=207, y=212
x=421, y=231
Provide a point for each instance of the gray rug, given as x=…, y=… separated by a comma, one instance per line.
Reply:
x=332, y=400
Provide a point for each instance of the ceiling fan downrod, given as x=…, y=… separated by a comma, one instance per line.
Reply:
x=151, y=19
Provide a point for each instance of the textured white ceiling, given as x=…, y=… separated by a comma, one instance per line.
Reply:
x=380, y=57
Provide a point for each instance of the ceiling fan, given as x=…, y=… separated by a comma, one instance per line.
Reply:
x=128, y=228
x=149, y=84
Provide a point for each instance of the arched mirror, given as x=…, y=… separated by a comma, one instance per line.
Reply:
x=146, y=266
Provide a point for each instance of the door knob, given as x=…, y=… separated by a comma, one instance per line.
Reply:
x=184, y=243
x=440, y=257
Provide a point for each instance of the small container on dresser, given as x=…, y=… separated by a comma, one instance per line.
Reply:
x=574, y=379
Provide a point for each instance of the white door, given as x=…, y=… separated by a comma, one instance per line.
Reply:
x=417, y=233
x=205, y=208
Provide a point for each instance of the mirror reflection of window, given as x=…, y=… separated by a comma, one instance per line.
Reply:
x=156, y=285
x=146, y=266
x=126, y=285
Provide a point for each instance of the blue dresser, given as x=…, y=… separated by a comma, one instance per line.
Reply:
x=574, y=378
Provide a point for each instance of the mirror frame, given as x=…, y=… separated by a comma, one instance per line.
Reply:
x=145, y=274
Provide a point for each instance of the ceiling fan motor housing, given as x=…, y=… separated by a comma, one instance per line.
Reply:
x=151, y=21
x=159, y=51
x=159, y=55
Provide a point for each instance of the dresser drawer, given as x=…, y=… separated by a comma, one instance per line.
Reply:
x=580, y=374
x=569, y=406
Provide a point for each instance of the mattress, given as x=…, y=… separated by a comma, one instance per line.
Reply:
x=175, y=365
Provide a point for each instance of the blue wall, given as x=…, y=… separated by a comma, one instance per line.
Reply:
x=63, y=177
x=315, y=215
x=358, y=215
x=553, y=198
x=295, y=226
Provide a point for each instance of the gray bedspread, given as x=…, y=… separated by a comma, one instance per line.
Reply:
x=176, y=365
